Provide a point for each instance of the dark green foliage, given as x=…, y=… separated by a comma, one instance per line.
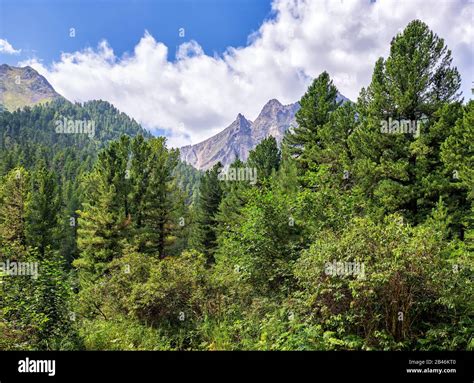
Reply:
x=187, y=179
x=235, y=197
x=210, y=195
x=43, y=206
x=317, y=104
x=265, y=158
x=403, y=171
x=353, y=237
x=35, y=302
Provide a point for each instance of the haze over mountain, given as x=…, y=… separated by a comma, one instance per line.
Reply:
x=242, y=135
x=21, y=87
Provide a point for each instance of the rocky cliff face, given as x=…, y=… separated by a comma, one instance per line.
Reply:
x=273, y=120
x=21, y=87
x=241, y=136
x=225, y=146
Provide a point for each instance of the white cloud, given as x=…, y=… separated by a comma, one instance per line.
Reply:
x=197, y=95
x=6, y=47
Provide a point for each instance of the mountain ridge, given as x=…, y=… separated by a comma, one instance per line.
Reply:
x=274, y=120
x=242, y=136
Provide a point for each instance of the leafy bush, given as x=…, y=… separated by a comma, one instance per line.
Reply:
x=409, y=284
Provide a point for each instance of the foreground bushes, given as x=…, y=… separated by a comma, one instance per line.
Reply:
x=413, y=292
x=410, y=287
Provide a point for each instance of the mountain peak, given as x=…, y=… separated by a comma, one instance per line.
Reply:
x=240, y=118
x=273, y=101
x=241, y=121
x=272, y=105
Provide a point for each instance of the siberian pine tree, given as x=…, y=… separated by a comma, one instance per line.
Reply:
x=139, y=174
x=104, y=218
x=207, y=206
x=265, y=158
x=161, y=198
x=43, y=206
x=392, y=168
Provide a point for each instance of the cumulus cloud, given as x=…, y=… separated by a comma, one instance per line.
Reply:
x=6, y=47
x=197, y=95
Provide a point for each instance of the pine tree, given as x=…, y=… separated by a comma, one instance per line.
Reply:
x=395, y=171
x=139, y=174
x=104, y=219
x=43, y=206
x=234, y=198
x=317, y=104
x=419, y=77
x=40, y=319
x=265, y=158
x=161, y=198
x=13, y=197
x=457, y=154
x=287, y=177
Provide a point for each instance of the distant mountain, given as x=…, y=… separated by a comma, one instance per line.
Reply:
x=21, y=87
x=274, y=120
x=240, y=137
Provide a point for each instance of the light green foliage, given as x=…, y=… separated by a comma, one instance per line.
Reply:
x=263, y=243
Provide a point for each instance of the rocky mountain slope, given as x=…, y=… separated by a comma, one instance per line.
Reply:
x=21, y=87
x=241, y=136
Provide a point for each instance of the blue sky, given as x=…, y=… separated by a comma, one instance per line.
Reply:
x=235, y=55
x=41, y=27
